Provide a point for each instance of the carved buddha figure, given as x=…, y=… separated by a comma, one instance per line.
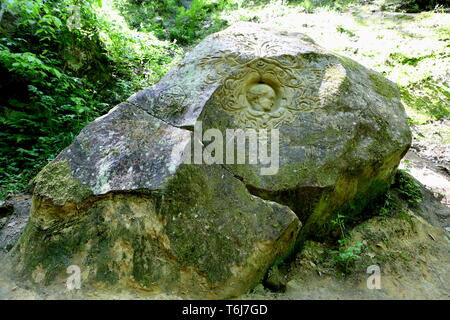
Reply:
x=261, y=97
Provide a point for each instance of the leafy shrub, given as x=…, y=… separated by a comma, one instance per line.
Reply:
x=43, y=102
x=339, y=222
x=346, y=256
x=170, y=20
x=408, y=187
x=63, y=63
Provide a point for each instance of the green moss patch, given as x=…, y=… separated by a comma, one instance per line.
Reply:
x=382, y=86
x=55, y=182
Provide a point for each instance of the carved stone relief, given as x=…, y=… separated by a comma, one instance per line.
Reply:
x=263, y=92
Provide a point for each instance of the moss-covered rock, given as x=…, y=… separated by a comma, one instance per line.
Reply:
x=124, y=203
x=218, y=246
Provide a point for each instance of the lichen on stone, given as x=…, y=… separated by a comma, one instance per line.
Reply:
x=56, y=183
x=381, y=86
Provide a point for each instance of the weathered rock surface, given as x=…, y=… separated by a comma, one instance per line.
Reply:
x=120, y=203
x=14, y=214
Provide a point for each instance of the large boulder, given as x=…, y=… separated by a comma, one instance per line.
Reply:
x=132, y=203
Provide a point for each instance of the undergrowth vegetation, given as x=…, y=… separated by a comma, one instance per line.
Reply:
x=63, y=63
x=408, y=187
x=183, y=21
x=346, y=252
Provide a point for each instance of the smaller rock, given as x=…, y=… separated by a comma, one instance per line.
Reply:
x=292, y=286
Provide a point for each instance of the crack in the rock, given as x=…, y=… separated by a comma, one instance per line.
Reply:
x=300, y=200
x=252, y=190
x=187, y=128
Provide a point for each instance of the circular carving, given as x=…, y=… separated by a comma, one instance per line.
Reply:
x=261, y=98
x=263, y=92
